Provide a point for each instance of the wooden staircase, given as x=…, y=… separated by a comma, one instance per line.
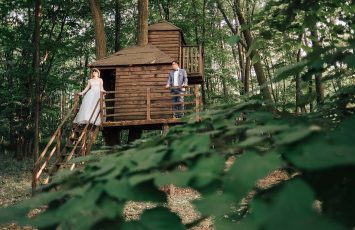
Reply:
x=76, y=140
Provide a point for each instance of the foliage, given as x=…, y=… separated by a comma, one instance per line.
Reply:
x=263, y=141
x=315, y=147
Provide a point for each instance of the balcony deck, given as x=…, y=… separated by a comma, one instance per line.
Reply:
x=192, y=61
x=149, y=107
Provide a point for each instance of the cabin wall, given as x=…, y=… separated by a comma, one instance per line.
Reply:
x=131, y=92
x=167, y=41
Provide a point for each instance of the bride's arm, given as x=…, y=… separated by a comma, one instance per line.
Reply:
x=86, y=89
x=102, y=86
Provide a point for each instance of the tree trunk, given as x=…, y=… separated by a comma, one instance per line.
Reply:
x=142, y=22
x=318, y=76
x=265, y=91
x=310, y=93
x=241, y=65
x=35, y=64
x=257, y=65
x=100, y=35
x=118, y=24
x=197, y=22
x=298, y=87
x=247, y=75
x=166, y=10
x=268, y=69
x=160, y=10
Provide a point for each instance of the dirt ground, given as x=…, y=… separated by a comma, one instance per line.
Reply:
x=15, y=180
x=15, y=185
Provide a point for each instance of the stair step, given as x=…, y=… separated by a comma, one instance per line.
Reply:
x=72, y=146
x=66, y=155
x=63, y=163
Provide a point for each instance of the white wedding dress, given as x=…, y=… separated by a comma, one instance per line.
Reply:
x=88, y=105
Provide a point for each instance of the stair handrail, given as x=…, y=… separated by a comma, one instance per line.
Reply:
x=84, y=131
x=38, y=167
x=80, y=139
x=75, y=106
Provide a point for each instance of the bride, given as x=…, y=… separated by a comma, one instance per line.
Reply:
x=91, y=97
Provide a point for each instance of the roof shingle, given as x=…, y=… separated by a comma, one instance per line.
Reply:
x=134, y=55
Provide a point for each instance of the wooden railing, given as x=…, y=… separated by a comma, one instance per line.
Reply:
x=150, y=104
x=54, y=146
x=192, y=59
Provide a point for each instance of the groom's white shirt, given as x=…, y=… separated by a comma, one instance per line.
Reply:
x=176, y=78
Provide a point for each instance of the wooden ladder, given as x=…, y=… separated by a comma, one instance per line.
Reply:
x=78, y=143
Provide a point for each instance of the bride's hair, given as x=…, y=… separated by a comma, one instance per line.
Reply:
x=95, y=70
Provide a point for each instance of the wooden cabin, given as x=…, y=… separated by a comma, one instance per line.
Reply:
x=136, y=98
x=135, y=79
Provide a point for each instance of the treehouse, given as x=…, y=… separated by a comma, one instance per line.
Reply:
x=136, y=98
x=135, y=79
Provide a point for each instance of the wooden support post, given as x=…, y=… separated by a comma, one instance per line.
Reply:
x=76, y=103
x=101, y=106
x=34, y=182
x=148, y=104
x=197, y=109
x=165, y=129
x=200, y=61
x=59, y=138
x=83, y=145
x=180, y=57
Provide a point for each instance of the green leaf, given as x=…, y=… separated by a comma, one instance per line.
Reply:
x=290, y=70
x=295, y=135
x=294, y=204
x=123, y=190
x=156, y=219
x=247, y=170
x=256, y=58
x=18, y=212
x=142, y=177
x=255, y=45
x=148, y=157
x=207, y=170
x=190, y=146
x=251, y=141
x=73, y=212
x=216, y=204
x=322, y=152
x=178, y=178
x=265, y=129
x=350, y=60
x=234, y=39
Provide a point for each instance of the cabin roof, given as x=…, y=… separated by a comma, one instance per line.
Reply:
x=166, y=26
x=163, y=25
x=134, y=55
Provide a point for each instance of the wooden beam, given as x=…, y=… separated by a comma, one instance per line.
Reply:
x=148, y=104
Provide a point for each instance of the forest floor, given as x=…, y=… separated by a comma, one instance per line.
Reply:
x=15, y=186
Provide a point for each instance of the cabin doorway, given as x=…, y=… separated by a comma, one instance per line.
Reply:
x=109, y=78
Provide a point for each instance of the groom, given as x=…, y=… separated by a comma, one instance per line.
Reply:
x=177, y=79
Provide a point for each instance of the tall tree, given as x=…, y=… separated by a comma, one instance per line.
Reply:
x=318, y=77
x=118, y=24
x=248, y=45
x=100, y=35
x=142, y=22
x=36, y=64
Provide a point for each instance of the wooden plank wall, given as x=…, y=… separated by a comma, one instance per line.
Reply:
x=167, y=41
x=131, y=91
